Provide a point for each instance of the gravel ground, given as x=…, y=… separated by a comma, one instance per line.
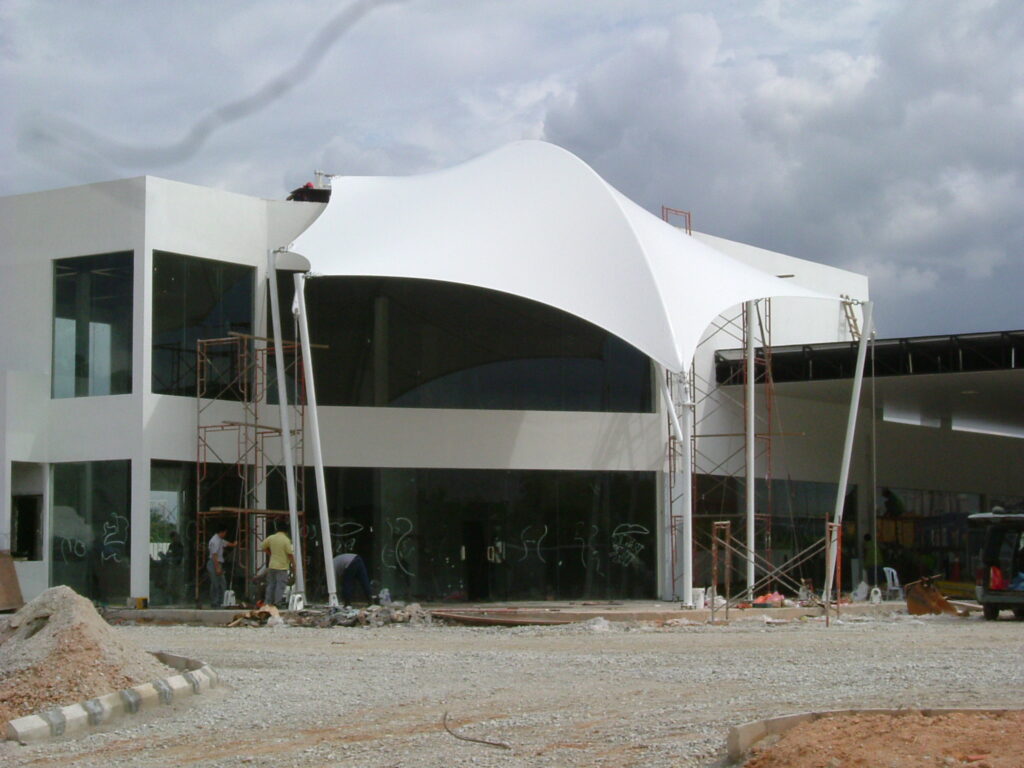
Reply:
x=587, y=694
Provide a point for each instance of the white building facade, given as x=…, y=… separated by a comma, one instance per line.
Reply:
x=478, y=445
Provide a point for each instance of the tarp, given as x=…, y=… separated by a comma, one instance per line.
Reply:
x=533, y=220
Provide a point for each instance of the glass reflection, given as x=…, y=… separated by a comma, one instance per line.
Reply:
x=436, y=534
x=92, y=325
x=428, y=344
x=90, y=529
x=172, y=532
x=196, y=299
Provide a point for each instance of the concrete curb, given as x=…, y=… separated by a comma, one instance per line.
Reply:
x=743, y=737
x=194, y=677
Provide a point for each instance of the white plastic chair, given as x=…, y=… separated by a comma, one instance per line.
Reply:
x=892, y=584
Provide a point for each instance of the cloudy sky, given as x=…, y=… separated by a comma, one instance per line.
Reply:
x=881, y=136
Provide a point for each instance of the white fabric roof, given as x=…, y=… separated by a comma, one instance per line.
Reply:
x=533, y=220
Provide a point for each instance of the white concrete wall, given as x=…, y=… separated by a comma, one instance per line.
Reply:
x=137, y=215
x=35, y=229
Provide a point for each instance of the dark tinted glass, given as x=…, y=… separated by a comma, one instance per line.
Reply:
x=92, y=325
x=90, y=528
x=196, y=299
x=428, y=344
x=448, y=534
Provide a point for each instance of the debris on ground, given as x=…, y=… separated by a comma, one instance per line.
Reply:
x=460, y=737
x=260, y=616
x=57, y=650
x=598, y=624
x=923, y=597
x=372, y=616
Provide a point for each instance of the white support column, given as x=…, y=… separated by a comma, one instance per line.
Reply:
x=314, y=429
x=6, y=512
x=851, y=426
x=286, y=431
x=685, y=548
x=142, y=401
x=138, y=543
x=681, y=507
x=750, y=437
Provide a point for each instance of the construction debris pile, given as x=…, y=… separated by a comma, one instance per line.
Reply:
x=57, y=650
x=371, y=616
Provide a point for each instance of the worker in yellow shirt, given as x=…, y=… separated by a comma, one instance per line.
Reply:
x=278, y=548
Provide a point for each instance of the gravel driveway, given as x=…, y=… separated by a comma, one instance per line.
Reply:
x=586, y=694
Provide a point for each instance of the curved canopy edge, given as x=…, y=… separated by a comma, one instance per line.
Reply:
x=533, y=220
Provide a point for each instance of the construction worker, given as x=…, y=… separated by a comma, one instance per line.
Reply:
x=281, y=558
x=872, y=559
x=215, y=566
x=349, y=569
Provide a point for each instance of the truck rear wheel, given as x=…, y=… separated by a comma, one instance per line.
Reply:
x=1018, y=613
x=991, y=611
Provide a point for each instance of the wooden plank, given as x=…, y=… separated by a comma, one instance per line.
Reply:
x=490, y=620
x=10, y=589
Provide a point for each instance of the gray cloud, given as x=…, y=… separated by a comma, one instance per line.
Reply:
x=901, y=159
x=878, y=136
x=42, y=134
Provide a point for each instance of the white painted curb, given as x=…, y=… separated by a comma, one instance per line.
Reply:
x=194, y=678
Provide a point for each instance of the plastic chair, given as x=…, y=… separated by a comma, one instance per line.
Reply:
x=892, y=584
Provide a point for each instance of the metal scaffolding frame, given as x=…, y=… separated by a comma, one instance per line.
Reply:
x=708, y=399
x=234, y=369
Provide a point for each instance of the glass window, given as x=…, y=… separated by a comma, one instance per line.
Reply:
x=92, y=325
x=428, y=344
x=196, y=299
x=459, y=534
x=172, y=533
x=90, y=529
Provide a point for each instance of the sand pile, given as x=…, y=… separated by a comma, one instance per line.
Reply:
x=58, y=650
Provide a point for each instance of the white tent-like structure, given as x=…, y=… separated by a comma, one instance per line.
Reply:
x=533, y=220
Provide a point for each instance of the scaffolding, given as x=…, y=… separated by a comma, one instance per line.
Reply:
x=709, y=400
x=232, y=378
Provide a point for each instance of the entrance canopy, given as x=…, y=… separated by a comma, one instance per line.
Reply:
x=533, y=220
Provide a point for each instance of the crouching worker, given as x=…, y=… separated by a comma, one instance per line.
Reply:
x=349, y=569
x=278, y=549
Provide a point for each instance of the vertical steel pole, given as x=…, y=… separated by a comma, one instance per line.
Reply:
x=851, y=426
x=686, y=500
x=286, y=431
x=682, y=429
x=314, y=429
x=749, y=443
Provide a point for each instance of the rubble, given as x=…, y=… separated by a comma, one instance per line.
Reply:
x=58, y=650
x=371, y=616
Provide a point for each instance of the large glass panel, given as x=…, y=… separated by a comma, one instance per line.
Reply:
x=446, y=534
x=90, y=529
x=428, y=344
x=196, y=299
x=92, y=325
x=172, y=533
x=925, y=533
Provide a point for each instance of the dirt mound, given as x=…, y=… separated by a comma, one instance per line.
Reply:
x=911, y=740
x=58, y=650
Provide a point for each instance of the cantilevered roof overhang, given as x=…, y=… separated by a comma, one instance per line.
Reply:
x=533, y=220
x=970, y=382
